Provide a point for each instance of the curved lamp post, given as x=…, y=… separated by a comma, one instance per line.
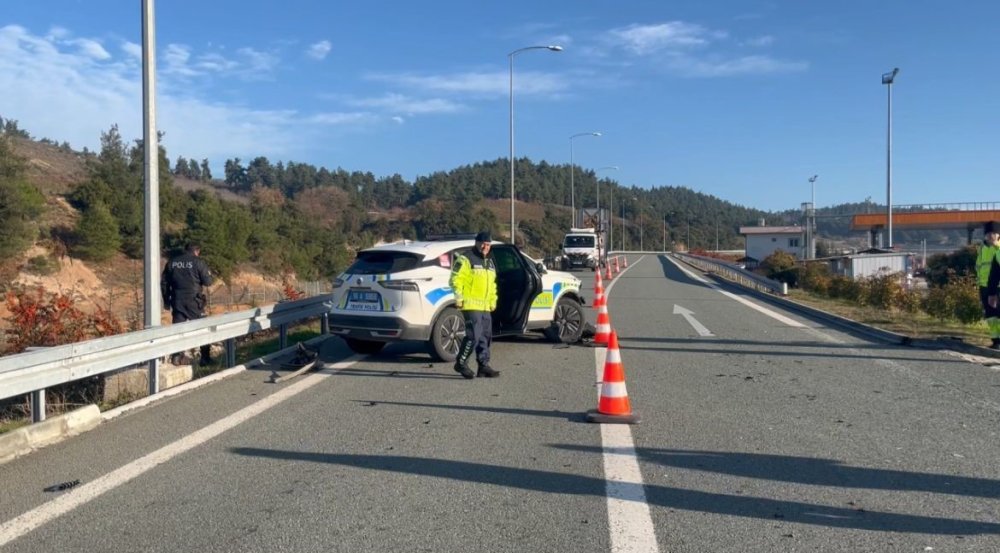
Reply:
x=510, y=58
x=572, y=171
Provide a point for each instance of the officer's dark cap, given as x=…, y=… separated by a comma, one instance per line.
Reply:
x=483, y=236
x=991, y=226
x=192, y=247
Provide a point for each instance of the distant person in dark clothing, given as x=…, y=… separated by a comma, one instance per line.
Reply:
x=183, y=285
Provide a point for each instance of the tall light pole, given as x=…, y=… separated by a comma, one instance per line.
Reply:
x=510, y=58
x=600, y=219
x=572, y=171
x=811, y=222
x=887, y=79
x=664, y=233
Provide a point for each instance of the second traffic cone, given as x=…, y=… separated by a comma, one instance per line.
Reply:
x=617, y=268
x=607, y=273
x=625, y=260
x=598, y=290
x=603, y=334
x=613, y=407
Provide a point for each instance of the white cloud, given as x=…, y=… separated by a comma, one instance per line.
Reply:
x=319, y=50
x=397, y=103
x=765, y=40
x=485, y=84
x=398, y=119
x=746, y=65
x=92, y=49
x=57, y=90
x=132, y=49
x=645, y=39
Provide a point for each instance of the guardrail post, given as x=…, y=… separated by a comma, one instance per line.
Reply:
x=324, y=323
x=784, y=288
x=230, y=352
x=154, y=376
x=283, y=336
x=38, y=406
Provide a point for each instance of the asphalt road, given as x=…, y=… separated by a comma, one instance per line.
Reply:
x=761, y=431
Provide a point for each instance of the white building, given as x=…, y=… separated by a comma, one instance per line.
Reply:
x=871, y=263
x=762, y=241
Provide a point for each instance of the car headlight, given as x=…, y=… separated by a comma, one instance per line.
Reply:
x=338, y=282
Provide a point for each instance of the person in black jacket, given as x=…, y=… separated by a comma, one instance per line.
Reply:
x=184, y=280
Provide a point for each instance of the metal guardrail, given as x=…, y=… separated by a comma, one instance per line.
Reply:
x=33, y=371
x=734, y=273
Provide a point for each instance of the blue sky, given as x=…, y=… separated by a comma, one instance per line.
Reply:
x=744, y=100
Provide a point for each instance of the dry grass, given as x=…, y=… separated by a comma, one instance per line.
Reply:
x=916, y=325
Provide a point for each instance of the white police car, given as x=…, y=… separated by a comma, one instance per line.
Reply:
x=400, y=291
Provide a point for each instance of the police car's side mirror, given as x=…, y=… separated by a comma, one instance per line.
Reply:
x=540, y=267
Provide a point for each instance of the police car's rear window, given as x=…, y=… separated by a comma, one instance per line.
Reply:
x=376, y=263
x=579, y=241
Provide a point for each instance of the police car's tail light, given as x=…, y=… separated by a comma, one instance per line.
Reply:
x=405, y=285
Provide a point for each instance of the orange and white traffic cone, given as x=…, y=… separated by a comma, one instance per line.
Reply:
x=613, y=406
x=598, y=290
x=607, y=273
x=603, y=334
x=618, y=269
x=625, y=261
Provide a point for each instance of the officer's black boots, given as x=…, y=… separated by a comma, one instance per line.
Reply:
x=487, y=371
x=464, y=370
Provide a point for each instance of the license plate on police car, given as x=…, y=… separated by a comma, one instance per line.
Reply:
x=364, y=300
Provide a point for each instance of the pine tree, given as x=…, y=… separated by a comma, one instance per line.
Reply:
x=97, y=234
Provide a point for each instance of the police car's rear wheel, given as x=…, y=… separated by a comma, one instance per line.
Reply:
x=364, y=346
x=567, y=323
x=447, y=334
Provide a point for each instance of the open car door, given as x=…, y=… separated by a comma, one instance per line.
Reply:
x=518, y=282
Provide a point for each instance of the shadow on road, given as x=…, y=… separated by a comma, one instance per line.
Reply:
x=660, y=496
x=555, y=413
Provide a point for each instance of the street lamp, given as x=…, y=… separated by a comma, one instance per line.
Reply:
x=510, y=58
x=611, y=212
x=887, y=79
x=572, y=170
x=811, y=220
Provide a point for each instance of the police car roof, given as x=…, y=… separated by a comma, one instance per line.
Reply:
x=426, y=247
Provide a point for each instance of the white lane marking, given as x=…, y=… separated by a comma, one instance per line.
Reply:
x=21, y=525
x=630, y=524
x=611, y=285
x=688, y=315
x=773, y=314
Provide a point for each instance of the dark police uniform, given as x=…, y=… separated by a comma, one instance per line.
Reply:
x=182, y=284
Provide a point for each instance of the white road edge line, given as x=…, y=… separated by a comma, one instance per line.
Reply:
x=773, y=314
x=21, y=525
x=630, y=524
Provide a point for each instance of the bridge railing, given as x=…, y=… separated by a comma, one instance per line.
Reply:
x=735, y=273
x=32, y=372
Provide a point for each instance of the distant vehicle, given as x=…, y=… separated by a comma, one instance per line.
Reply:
x=581, y=248
x=400, y=291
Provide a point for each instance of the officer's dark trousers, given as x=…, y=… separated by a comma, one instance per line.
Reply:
x=187, y=309
x=478, y=336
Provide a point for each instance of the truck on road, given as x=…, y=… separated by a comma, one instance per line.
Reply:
x=582, y=248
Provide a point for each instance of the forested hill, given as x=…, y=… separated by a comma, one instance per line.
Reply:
x=308, y=220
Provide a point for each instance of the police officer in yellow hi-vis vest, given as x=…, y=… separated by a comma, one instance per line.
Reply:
x=988, y=278
x=474, y=282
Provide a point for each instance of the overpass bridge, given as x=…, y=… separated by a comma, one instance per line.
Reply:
x=762, y=430
x=967, y=216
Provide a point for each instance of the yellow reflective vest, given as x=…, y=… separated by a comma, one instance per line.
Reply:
x=474, y=282
x=984, y=261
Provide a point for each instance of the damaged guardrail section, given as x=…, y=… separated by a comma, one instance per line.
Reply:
x=33, y=371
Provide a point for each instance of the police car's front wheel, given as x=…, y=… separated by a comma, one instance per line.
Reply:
x=446, y=335
x=567, y=323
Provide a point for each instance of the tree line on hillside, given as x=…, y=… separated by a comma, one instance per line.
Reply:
x=309, y=220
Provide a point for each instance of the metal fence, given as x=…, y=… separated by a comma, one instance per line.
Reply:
x=735, y=273
x=33, y=371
